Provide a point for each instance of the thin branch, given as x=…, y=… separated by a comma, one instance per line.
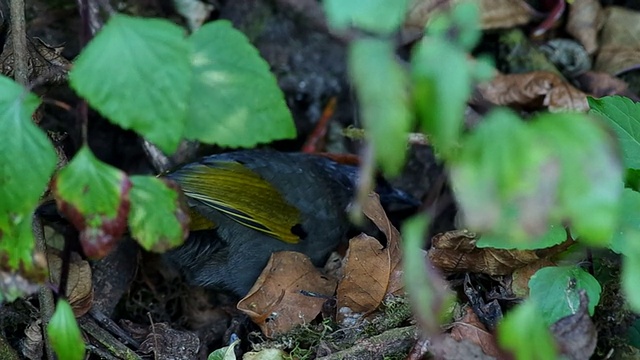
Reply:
x=19, y=41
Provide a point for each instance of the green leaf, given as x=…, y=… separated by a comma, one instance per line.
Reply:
x=633, y=334
x=235, y=100
x=512, y=179
x=64, y=333
x=555, y=235
x=426, y=288
x=591, y=173
x=624, y=116
x=225, y=353
x=440, y=91
x=554, y=290
x=629, y=276
x=504, y=180
x=136, y=72
x=157, y=220
x=379, y=16
x=95, y=198
x=459, y=26
x=519, y=327
x=628, y=231
x=27, y=160
x=381, y=86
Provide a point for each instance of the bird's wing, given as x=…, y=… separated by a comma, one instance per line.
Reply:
x=241, y=194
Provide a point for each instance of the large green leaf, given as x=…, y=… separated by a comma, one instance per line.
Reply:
x=136, y=72
x=590, y=171
x=514, y=179
x=503, y=179
x=235, y=100
x=624, y=117
x=27, y=160
x=381, y=85
x=555, y=290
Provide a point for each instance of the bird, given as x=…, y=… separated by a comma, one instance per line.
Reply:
x=245, y=205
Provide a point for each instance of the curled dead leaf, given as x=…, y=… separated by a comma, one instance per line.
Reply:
x=365, y=280
x=371, y=271
x=533, y=90
x=600, y=84
x=79, y=289
x=471, y=329
x=289, y=292
x=576, y=334
x=584, y=21
x=620, y=41
x=456, y=252
x=503, y=14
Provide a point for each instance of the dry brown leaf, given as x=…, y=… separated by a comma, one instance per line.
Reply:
x=276, y=302
x=576, y=334
x=503, y=14
x=456, y=252
x=371, y=271
x=79, y=289
x=620, y=41
x=366, y=276
x=375, y=212
x=33, y=342
x=617, y=59
x=520, y=277
x=471, y=329
x=601, y=84
x=495, y=14
x=584, y=21
x=450, y=349
x=166, y=343
x=532, y=90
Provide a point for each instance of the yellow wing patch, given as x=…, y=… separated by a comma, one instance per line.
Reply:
x=243, y=195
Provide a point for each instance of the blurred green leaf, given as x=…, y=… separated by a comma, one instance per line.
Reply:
x=379, y=16
x=440, y=91
x=624, y=116
x=504, y=180
x=554, y=290
x=629, y=275
x=381, y=85
x=460, y=26
x=628, y=231
x=64, y=333
x=95, y=198
x=555, y=235
x=27, y=160
x=136, y=72
x=157, y=221
x=430, y=297
x=591, y=174
x=512, y=179
x=235, y=99
x=524, y=333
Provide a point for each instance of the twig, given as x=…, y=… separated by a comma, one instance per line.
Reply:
x=19, y=40
x=45, y=296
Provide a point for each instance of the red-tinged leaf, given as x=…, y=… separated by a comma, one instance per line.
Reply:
x=158, y=219
x=95, y=198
